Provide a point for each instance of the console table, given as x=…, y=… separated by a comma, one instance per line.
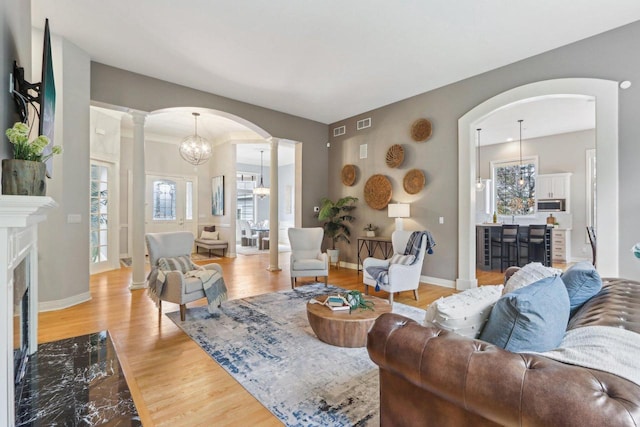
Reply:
x=381, y=245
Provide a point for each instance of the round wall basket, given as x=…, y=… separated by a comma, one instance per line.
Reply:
x=413, y=181
x=421, y=130
x=395, y=156
x=377, y=191
x=349, y=175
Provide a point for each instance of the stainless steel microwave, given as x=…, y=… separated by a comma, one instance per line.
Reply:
x=552, y=205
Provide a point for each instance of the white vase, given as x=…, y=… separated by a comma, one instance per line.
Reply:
x=370, y=233
x=334, y=255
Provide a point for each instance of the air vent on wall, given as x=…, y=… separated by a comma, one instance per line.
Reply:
x=364, y=123
x=363, y=151
x=339, y=131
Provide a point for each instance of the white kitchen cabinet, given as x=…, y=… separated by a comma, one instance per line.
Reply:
x=553, y=186
x=560, y=245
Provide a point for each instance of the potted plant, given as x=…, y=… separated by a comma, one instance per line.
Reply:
x=370, y=230
x=25, y=173
x=337, y=216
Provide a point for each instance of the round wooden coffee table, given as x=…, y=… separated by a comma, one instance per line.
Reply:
x=344, y=329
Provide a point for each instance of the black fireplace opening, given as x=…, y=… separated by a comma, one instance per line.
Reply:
x=20, y=324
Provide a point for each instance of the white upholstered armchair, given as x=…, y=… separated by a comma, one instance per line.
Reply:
x=177, y=288
x=307, y=258
x=400, y=277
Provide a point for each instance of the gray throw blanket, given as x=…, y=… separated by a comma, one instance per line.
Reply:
x=604, y=348
x=380, y=274
x=212, y=283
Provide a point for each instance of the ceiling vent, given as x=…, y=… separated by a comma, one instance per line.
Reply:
x=339, y=130
x=364, y=123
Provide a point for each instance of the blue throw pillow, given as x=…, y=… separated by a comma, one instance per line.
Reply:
x=532, y=318
x=582, y=282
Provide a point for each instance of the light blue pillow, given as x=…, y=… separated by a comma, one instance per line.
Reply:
x=532, y=318
x=582, y=282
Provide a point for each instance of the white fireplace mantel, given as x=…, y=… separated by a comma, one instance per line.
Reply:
x=19, y=216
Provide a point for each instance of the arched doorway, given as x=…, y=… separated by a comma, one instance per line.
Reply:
x=606, y=95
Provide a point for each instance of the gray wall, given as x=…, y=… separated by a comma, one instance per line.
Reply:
x=610, y=56
x=123, y=88
x=15, y=45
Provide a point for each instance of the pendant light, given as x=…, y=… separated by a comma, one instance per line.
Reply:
x=521, y=181
x=261, y=191
x=195, y=149
x=479, y=182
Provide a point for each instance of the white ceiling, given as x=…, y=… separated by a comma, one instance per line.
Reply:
x=324, y=60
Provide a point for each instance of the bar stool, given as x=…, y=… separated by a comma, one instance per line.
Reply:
x=536, y=240
x=507, y=240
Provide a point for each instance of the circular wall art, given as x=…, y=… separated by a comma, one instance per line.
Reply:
x=349, y=175
x=413, y=181
x=377, y=191
x=395, y=156
x=421, y=130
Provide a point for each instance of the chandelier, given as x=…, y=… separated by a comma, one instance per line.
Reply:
x=261, y=191
x=195, y=149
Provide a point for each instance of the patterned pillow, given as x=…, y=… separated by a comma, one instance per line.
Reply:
x=464, y=313
x=180, y=263
x=402, y=259
x=209, y=235
x=529, y=274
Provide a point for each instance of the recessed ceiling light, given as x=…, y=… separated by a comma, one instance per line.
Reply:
x=625, y=84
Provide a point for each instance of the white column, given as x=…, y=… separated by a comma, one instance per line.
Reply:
x=138, y=197
x=274, y=220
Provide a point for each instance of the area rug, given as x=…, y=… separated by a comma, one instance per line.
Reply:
x=266, y=344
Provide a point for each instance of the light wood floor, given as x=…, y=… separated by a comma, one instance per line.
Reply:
x=172, y=380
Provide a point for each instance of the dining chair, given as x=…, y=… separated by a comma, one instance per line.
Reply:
x=591, y=232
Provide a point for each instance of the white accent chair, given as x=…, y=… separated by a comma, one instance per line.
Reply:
x=400, y=277
x=177, y=289
x=307, y=258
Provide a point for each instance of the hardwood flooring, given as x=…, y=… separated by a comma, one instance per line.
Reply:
x=173, y=382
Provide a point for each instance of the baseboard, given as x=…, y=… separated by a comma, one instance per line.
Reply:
x=135, y=286
x=423, y=279
x=64, y=303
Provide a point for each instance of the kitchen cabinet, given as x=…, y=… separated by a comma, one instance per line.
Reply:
x=560, y=245
x=553, y=186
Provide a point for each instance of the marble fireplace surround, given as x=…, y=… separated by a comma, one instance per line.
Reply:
x=19, y=218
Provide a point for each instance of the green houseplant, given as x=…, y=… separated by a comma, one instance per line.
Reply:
x=337, y=216
x=25, y=173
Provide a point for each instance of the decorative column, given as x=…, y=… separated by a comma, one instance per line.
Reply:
x=274, y=220
x=137, y=222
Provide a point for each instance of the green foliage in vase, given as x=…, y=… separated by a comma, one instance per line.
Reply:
x=23, y=149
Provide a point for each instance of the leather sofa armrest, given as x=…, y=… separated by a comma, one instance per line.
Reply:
x=504, y=387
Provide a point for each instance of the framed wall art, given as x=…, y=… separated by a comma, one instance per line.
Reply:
x=217, y=195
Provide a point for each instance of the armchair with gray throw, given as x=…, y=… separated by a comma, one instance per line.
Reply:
x=307, y=258
x=175, y=278
x=402, y=271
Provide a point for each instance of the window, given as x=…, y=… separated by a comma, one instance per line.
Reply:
x=244, y=199
x=99, y=213
x=511, y=198
x=164, y=200
x=188, y=215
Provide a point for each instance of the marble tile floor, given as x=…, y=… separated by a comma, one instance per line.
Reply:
x=76, y=382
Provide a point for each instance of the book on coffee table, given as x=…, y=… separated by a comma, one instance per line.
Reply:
x=335, y=303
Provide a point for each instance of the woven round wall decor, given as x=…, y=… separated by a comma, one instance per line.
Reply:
x=395, y=156
x=349, y=175
x=377, y=191
x=413, y=181
x=421, y=130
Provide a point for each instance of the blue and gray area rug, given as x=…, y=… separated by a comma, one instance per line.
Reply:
x=266, y=344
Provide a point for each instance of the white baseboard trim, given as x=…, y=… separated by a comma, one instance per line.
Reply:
x=423, y=279
x=464, y=284
x=64, y=303
x=135, y=286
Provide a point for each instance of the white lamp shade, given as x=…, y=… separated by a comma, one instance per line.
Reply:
x=399, y=210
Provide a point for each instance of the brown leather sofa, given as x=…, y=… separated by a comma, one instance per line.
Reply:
x=431, y=377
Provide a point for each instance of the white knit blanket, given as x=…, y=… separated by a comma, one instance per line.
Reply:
x=605, y=348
